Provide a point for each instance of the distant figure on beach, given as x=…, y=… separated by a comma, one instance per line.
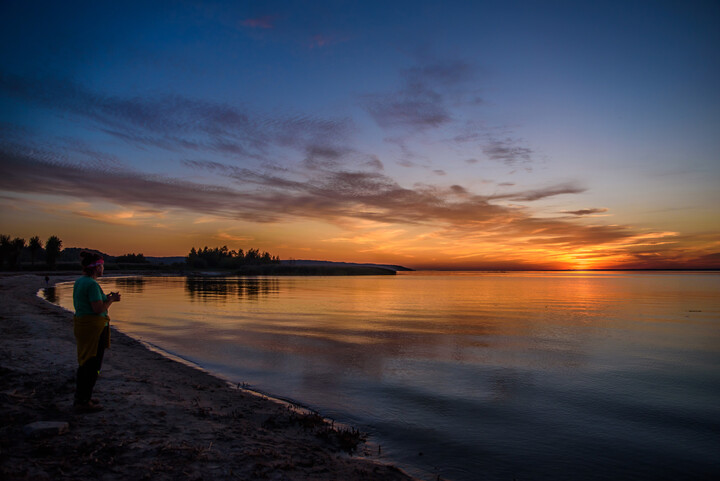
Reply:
x=92, y=329
x=47, y=281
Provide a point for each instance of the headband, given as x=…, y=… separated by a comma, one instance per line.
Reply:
x=98, y=262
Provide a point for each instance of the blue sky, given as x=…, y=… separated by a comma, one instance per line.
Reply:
x=432, y=134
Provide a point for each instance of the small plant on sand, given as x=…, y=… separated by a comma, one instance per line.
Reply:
x=346, y=439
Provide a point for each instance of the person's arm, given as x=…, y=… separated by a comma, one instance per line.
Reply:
x=101, y=306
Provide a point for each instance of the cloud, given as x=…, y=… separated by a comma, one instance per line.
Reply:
x=228, y=237
x=427, y=103
x=537, y=194
x=416, y=111
x=507, y=151
x=127, y=217
x=322, y=157
x=407, y=163
x=497, y=143
x=176, y=123
x=329, y=156
x=420, y=103
x=30, y=174
x=327, y=180
x=261, y=196
x=373, y=162
x=266, y=196
x=468, y=226
x=584, y=211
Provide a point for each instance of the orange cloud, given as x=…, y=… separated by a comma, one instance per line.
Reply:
x=377, y=216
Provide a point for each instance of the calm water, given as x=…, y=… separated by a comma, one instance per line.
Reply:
x=468, y=376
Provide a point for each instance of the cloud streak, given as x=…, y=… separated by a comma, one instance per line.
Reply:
x=582, y=212
x=537, y=194
x=176, y=123
x=427, y=103
x=507, y=151
x=421, y=101
x=376, y=213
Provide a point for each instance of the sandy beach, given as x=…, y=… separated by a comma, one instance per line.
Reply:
x=162, y=420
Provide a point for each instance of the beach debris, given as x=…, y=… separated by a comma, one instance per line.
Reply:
x=344, y=439
x=46, y=428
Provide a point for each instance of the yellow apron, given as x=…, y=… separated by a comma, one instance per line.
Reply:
x=88, y=330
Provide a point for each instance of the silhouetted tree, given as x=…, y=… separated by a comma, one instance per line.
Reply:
x=192, y=257
x=5, y=248
x=35, y=245
x=252, y=256
x=16, y=247
x=222, y=257
x=132, y=259
x=52, y=250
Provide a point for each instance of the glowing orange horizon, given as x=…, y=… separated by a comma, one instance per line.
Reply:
x=518, y=244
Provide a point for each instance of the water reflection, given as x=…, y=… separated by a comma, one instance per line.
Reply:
x=529, y=375
x=50, y=294
x=130, y=285
x=220, y=288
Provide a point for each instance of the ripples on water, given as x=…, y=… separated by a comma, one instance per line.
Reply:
x=468, y=376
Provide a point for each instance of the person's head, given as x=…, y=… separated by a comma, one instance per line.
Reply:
x=92, y=263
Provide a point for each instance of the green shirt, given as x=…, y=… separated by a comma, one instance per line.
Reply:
x=85, y=291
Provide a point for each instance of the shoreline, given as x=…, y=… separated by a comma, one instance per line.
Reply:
x=163, y=419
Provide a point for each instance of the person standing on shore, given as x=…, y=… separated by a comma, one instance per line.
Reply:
x=91, y=325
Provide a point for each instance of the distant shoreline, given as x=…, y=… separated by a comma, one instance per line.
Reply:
x=283, y=268
x=305, y=270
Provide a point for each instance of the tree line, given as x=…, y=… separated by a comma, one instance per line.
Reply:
x=14, y=253
x=223, y=257
x=132, y=259
x=12, y=250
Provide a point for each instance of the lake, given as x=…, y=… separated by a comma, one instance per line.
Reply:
x=495, y=376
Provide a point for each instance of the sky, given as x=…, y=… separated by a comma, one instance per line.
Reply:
x=430, y=134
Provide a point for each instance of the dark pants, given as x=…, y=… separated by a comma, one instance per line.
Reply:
x=87, y=374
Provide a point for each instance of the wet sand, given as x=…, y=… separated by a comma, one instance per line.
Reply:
x=163, y=420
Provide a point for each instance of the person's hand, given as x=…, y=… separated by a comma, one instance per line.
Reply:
x=114, y=296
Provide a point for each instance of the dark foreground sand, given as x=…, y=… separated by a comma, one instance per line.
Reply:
x=162, y=420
